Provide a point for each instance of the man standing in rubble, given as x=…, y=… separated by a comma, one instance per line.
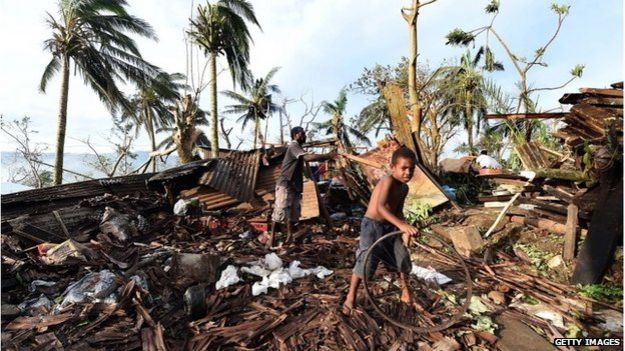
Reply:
x=290, y=184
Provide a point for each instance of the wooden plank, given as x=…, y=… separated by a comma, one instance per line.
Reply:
x=363, y=161
x=605, y=92
x=527, y=115
x=570, y=232
x=617, y=85
x=592, y=113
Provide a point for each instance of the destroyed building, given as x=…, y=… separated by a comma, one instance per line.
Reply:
x=150, y=261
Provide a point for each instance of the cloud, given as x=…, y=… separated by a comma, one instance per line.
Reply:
x=321, y=45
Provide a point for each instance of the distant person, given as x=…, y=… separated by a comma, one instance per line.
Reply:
x=290, y=184
x=485, y=161
x=385, y=215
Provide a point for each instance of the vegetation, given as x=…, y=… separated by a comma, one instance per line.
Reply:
x=222, y=29
x=92, y=36
x=149, y=105
x=259, y=105
x=335, y=125
x=525, y=100
x=601, y=292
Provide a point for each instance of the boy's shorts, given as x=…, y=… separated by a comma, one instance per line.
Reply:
x=392, y=251
x=287, y=205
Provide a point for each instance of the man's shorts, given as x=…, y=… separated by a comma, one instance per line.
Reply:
x=287, y=205
x=391, y=252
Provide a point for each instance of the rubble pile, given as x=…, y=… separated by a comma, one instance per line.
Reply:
x=178, y=260
x=138, y=276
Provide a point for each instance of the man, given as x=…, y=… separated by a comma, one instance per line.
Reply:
x=485, y=161
x=287, y=207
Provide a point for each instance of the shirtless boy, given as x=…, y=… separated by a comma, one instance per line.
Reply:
x=384, y=215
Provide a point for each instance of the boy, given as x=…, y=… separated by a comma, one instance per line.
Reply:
x=384, y=215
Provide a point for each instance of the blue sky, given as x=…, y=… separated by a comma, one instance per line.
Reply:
x=321, y=45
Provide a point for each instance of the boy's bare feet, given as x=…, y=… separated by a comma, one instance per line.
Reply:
x=348, y=306
x=405, y=296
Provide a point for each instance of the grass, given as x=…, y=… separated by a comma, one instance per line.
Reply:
x=601, y=292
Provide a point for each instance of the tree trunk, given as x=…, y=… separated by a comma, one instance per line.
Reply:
x=212, y=92
x=415, y=106
x=266, y=136
x=468, y=114
x=256, y=129
x=150, y=129
x=281, y=130
x=61, y=123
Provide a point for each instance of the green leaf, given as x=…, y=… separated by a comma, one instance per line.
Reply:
x=560, y=9
x=459, y=37
x=577, y=71
x=492, y=7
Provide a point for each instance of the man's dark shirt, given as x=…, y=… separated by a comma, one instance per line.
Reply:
x=292, y=171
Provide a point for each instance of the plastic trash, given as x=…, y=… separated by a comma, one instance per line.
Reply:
x=42, y=286
x=296, y=272
x=338, y=216
x=321, y=272
x=59, y=253
x=88, y=286
x=256, y=270
x=272, y=261
x=40, y=301
x=429, y=275
x=260, y=287
x=451, y=192
x=183, y=205
x=248, y=234
x=117, y=224
x=279, y=277
x=228, y=277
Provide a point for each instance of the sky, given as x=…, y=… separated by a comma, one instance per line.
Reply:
x=321, y=47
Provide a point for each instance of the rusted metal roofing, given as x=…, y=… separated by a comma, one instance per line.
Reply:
x=234, y=175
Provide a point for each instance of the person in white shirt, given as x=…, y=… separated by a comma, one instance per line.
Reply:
x=485, y=161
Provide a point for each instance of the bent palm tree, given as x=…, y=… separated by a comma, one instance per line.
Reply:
x=221, y=29
x=335, y=125
x=91, y=34
x=259, y=105
x=149, y=106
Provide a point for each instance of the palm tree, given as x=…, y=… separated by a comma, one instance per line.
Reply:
x=184, y=134
x=221, y=29
x=149, y=106
x=374, y=116
x=259, y=105
x=464, y=88
x=92, y=35
x=335, y=126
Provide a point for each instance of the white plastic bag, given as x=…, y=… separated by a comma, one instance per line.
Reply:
x=228, y=277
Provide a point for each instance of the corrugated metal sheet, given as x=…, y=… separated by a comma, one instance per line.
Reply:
x=209, y=198
x=234, y=175
x=267, y=178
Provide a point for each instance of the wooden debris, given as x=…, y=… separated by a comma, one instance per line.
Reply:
x=467, y=240
x=570, y=233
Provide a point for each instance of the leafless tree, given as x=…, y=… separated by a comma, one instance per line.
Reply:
x=30, y=174
x=121, y=138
